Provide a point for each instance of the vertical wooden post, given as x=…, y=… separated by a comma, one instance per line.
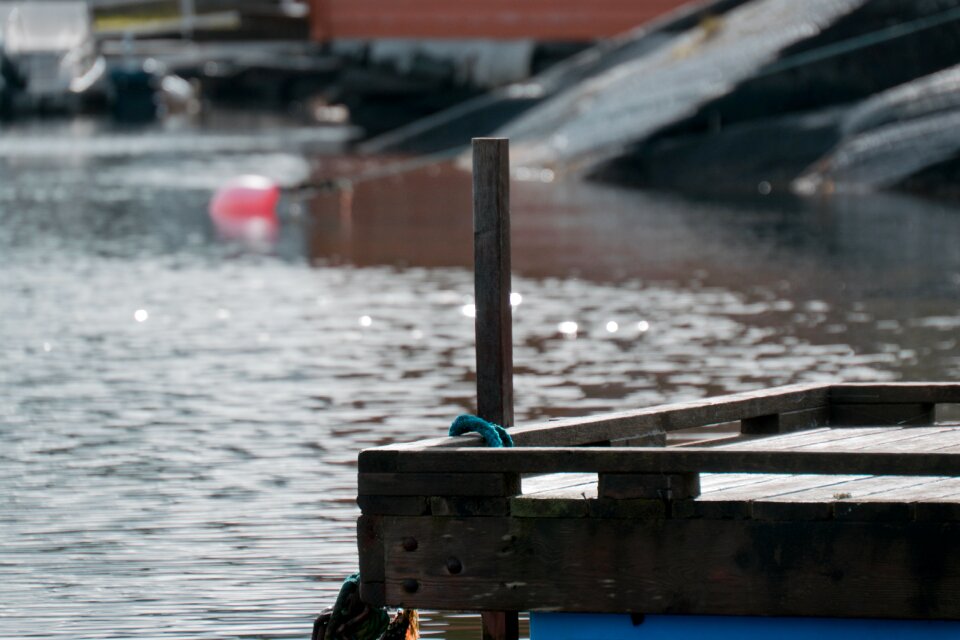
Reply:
x=494, y=334
x=491, y=260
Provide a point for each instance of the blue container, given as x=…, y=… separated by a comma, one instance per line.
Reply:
x=133, y=95
x=579, y=626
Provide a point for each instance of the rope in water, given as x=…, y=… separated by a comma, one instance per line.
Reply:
x=352, y=619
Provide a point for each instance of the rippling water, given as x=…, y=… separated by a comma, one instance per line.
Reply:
x=181, y=416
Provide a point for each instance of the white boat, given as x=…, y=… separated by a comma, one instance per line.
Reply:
x=52, y=47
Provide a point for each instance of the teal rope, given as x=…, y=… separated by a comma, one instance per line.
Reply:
x=494, y=434
x=368, y=626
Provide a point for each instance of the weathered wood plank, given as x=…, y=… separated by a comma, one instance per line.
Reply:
x=799, y=439
x=847, y=499
x=897, y=392
x=379, y=460
x=393, y=505
x=671, y=417
x=566, y=502
x=438, y=484
x=936, y=489
x=761, y=425
x=551, y=482
x=710, y=482
x=873, y=511
x=466, y=440
x=777, y=485
x=786, y=421
x=371, y=548
x=855, y=438
x=796, y=512
x=881, y=414
x=802, y=497
x=705, y=438
x=654, y=438
x=937, y=499
x=885, y=439
x=582, y=502
x=753, y=500
x=805, y=419
x=944, y=441
x=677, y=460
x=730, y=567
x=848, y=488
x=713, y=510
x=469, y=506
x=663, y=486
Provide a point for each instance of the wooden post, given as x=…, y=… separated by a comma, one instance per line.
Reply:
x=494, y=335
x=491, y=259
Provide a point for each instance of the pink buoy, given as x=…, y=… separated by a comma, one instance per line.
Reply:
x=245, y=208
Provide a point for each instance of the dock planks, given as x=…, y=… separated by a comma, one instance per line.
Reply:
x=834, y=519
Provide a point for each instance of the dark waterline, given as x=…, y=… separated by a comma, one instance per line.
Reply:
x=188, y=471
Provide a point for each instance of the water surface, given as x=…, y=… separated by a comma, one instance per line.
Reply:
x=182, y=415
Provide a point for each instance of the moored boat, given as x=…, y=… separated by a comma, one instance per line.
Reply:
x=52, y=48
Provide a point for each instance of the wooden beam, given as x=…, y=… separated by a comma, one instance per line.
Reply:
x=674, y=460
x=438, y=484
x=895, y=393
x=371, y=547
x=724, y=567
x=663, y=486
x=786, y=421
x=394, y=505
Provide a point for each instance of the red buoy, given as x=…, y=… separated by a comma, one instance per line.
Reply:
x=245, y=208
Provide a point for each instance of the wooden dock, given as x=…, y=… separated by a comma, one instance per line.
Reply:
x=852, y=511
x=811, y=502
x=829, y=501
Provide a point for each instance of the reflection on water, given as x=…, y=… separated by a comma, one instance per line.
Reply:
x=181, y=416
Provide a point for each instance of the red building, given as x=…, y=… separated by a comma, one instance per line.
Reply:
x=544, y=20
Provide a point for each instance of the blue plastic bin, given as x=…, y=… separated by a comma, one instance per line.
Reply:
x=576, y=626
